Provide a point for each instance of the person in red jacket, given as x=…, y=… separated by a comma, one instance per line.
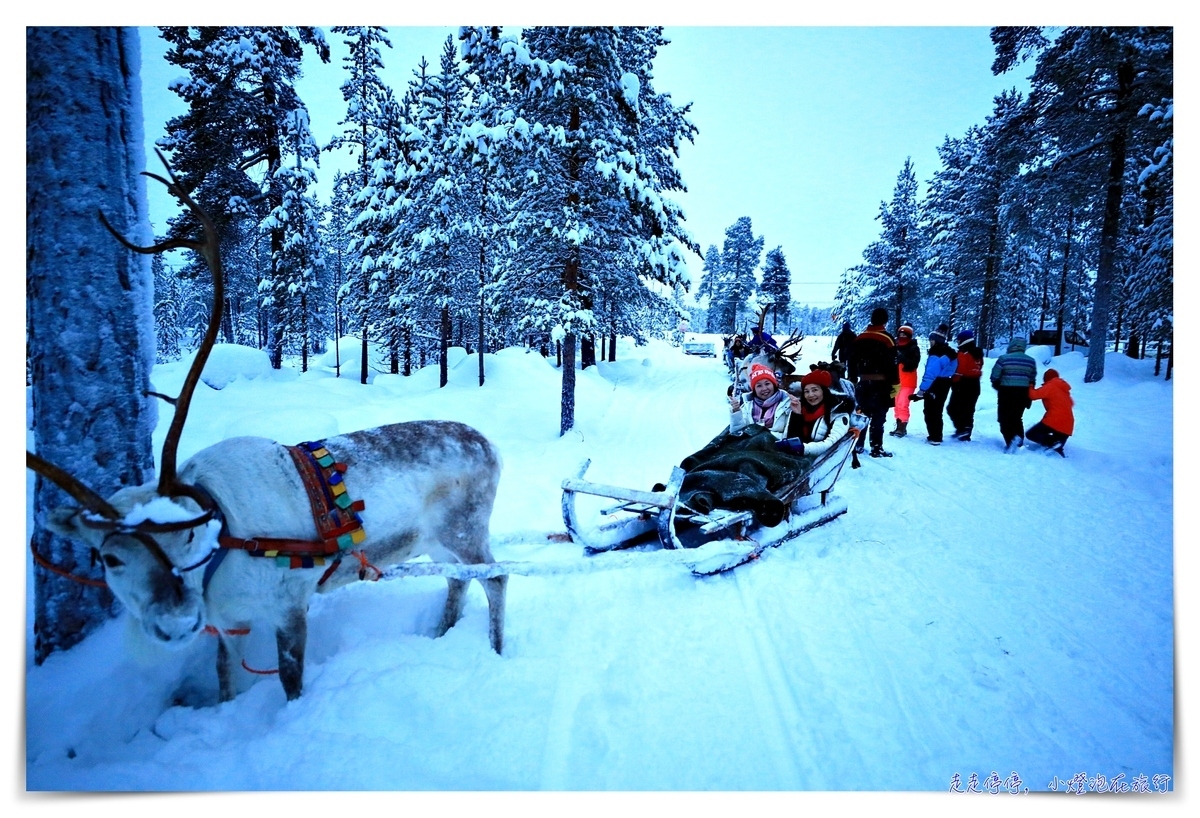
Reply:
x=1053, y=430
x=964, y=386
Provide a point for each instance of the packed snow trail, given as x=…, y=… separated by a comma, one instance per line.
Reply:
x=972, y=611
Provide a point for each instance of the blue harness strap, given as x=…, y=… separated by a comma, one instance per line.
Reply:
x=219, y=556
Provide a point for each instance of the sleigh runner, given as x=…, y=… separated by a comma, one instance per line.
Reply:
x=724, y=537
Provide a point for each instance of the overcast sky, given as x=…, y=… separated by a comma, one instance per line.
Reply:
x=803, y=129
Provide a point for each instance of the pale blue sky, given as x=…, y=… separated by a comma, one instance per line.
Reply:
x=803, y=129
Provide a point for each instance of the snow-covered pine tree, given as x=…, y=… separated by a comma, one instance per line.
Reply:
x=595, y=200
x=168, y=311
x=240, y=93
x=1086, y=90
x=892, y=267
x=714, y=287
x=300, y=258
x=1151, y=283
x=89, y=300
x=777, y=284
x=366, y=97
x=740, y=256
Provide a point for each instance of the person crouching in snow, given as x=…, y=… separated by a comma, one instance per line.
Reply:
x=768, y=406
x=908, y=358
x=1053, y=430
x=935, y=383
x=818, y=419
x=1012, y=376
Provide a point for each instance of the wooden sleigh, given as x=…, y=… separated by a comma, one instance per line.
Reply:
x=723, y=538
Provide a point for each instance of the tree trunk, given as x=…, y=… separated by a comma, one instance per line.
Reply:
x=444, y=334
x=1109, y=232
x=990, y=277
x=407, y=350
x=363, y=361
x=612, y=346
x=1062, y=284
x=567, y=421
x=89, y=301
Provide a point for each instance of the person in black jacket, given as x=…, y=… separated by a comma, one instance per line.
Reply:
x=873, y=367
x=843, y=343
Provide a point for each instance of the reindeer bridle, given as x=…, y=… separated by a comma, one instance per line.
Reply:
x=143, y=531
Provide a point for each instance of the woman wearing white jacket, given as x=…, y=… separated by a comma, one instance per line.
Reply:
x=817, y=420
x=768, y=406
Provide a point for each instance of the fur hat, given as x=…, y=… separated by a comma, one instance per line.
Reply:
x=964, y=336
x=937, y=337
x=758, y=372
x=879, y=316
x=820, y=377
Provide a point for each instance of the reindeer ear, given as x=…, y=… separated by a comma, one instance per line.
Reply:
x=64, y=521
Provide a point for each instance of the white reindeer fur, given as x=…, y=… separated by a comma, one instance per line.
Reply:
x=427, y=486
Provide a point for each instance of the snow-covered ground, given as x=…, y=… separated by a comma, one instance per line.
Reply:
x=972, y=612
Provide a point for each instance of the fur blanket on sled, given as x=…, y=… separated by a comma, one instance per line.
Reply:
x=740, y=472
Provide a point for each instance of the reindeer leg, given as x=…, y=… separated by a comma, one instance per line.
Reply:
x=495, y=588
x=456, y=598
x=225, y=670
x=290, y=640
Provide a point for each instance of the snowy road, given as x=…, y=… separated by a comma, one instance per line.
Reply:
x=972, y=612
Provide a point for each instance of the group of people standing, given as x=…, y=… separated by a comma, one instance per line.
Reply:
x=884, y=369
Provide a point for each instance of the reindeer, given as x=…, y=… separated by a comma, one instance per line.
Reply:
x=427, y=487
x=781, y=358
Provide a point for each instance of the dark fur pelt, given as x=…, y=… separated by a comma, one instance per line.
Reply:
x=741, y=472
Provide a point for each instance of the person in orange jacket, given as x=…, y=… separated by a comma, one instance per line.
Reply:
x=1058, y=424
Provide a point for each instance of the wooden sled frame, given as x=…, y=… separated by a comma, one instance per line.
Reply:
x=637, y=513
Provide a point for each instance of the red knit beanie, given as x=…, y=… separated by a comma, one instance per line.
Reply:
x=758, y=372
x=820, y=377
x=1050, y=375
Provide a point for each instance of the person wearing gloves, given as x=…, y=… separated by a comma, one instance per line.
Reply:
x=908, y=358
x=1012, y=375
x=818, y=418
x=964, y=386
x=1053, y=430
x=935, y=383
x=768, y=406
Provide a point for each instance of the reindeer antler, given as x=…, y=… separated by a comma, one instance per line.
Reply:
x=209, y=248
x=82, y=494
x=786, y=348
x=762, y=316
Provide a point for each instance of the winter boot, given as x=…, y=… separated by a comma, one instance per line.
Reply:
x=933, y=442
x=877, y=451
x=901, y=429
x=963, y=434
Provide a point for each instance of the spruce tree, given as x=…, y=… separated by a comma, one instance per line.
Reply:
x=777, y=284
x=1086, y=90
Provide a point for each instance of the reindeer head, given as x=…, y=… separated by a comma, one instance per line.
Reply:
x=149, y=564
x=150, y=538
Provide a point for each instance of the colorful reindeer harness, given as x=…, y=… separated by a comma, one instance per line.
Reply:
x=336, y=515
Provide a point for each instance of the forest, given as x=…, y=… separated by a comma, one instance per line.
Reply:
x=1054, y=216
x=518, y=193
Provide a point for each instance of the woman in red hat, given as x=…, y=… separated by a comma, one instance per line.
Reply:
x=818, y=419
x=767, y=407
